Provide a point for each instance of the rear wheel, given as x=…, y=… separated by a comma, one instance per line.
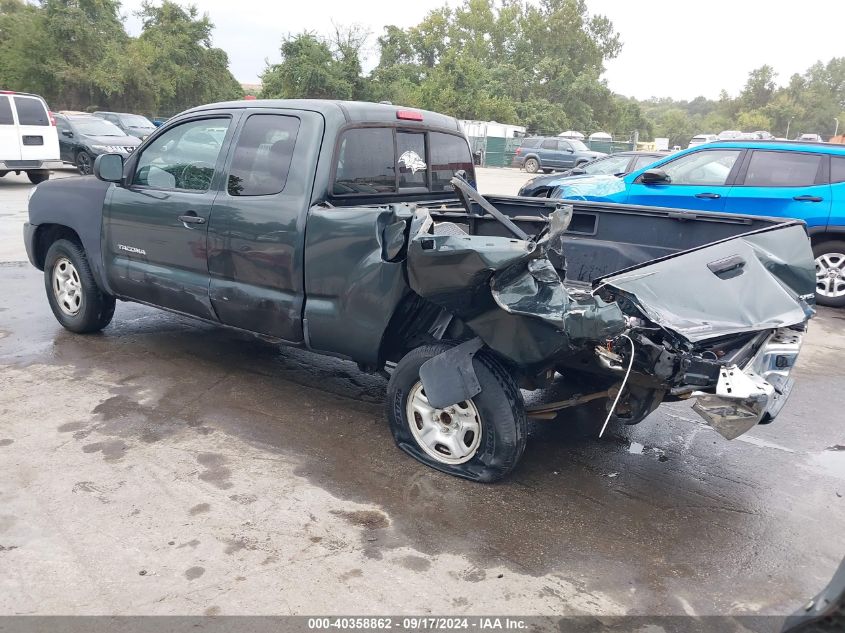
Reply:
x=481, y=439
x=75, y=299
x=532, y=165
x=830, y=273
x=84, y=163
x=36, y=177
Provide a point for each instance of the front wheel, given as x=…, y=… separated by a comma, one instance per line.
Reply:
x=75, y=299
x=84, y=163
x=830, y=273
x=481, y=439
x=532, y=165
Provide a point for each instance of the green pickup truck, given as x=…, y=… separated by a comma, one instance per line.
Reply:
x=355, y=230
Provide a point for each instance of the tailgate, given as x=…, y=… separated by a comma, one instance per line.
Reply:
x=756, y=281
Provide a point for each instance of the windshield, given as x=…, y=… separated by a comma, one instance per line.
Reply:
x=135, y=120
x=93, y=126
x=608, y=166
x=578, y=145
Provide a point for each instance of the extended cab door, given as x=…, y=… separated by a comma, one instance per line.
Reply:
x=257, y=229
x=699, y=180
x=783, y=184
x=155, y=226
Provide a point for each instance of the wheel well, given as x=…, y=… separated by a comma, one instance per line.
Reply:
x=818, y=238
x=417, y=321
x=49, y=233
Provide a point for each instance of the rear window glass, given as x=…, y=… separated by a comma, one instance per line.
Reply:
x=5, y=111
x=365, y=162
x=782, y=169
x=550, y=143
x=263, y=155
x=410, y=147
x=837, y=169
x=31, y=111
x=449, y=153
x=531, y=142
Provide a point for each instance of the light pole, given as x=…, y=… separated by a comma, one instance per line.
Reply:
x=836, y=131
x=788, y=123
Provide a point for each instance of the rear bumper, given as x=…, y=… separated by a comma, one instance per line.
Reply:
x=755, y=393
x=26, y=165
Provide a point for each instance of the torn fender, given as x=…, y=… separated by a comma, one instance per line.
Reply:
x=509, y=293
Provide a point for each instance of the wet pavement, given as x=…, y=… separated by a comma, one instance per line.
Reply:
x=167, y=466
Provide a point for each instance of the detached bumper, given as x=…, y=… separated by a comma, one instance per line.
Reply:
x=26, y=165
x=755, y=393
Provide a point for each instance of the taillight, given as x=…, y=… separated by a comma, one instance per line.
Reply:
x=52, y=118
x=518, y=151
x=409, y=115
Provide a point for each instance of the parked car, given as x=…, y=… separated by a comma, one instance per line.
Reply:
x=617, y=164
x=551, y=153
x=131, y=124
x=28, y=139
x=83, y=137
x=727, y=135
x=770, y=178
x=347, y=229
x=810, y=138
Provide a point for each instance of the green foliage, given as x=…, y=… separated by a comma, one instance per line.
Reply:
x=77, y=55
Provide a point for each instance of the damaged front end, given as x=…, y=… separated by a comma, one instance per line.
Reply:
x=721, y=323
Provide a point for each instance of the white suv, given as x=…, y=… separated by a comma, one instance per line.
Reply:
x=28, y=138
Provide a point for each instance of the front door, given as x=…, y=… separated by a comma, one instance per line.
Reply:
x=156, y=225
x=697, y=181
x=256, y=233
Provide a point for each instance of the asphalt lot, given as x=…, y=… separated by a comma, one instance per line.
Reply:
x=170, y=467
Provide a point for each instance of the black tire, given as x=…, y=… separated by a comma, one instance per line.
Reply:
x=95, y=308
x=532, y=165
x=36, y=177
x=84, y=163
x=548, y=171
x=833, y=248
x=504, y=427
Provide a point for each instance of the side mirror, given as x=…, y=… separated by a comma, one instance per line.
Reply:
x=67, y=133
x=655, y=177
x=109, y=167
x=570, y=151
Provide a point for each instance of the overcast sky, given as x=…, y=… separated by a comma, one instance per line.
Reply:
x=672, y=48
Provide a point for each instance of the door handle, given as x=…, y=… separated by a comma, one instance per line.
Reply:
x=191, y=218
x=808, y=199
x=708, y=196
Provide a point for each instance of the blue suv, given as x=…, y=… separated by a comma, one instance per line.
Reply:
x=772, y=178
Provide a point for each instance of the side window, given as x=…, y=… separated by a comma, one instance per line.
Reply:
x=449, y=153
x=564, y=146
x=710, y=167
x=365, y=162
x=782, y=169
x=183, y=157
x=62, y=127
x=530, y=143
x=410, y=149
x=550, y=143
x=837, y=169
x=6, y=111
x=263, y=155
x=31, y=111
